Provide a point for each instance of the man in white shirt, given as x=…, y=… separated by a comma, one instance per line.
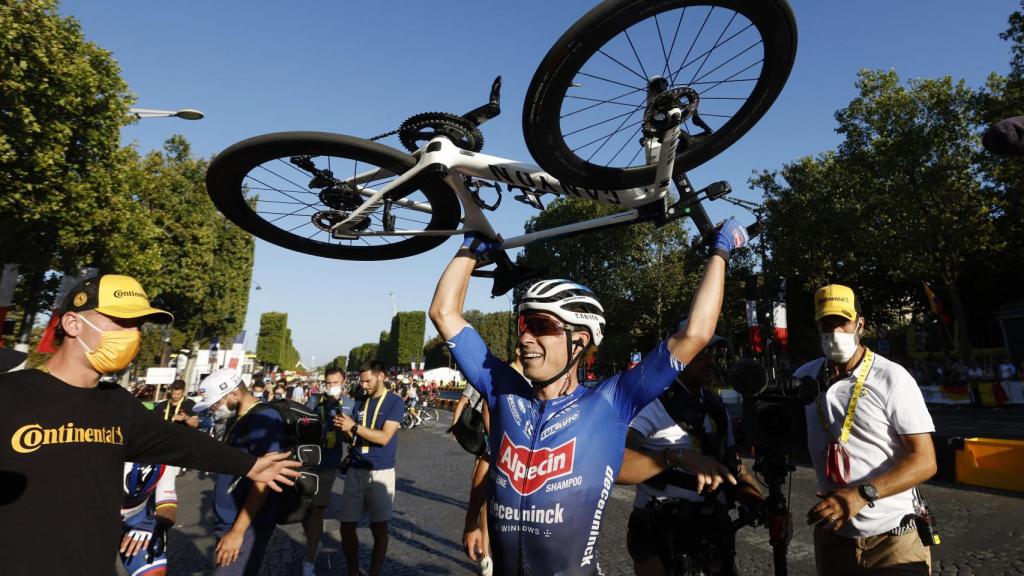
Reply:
x=869, y=454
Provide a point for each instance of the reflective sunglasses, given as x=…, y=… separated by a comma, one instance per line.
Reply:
x=540, y=326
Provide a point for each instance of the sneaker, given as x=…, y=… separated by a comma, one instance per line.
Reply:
x=486, y=566
x=308, y=569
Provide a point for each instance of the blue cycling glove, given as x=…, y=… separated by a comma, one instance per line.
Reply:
x=478, y=245
x=731, y=235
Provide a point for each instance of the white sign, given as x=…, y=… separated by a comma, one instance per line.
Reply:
x=160, y=376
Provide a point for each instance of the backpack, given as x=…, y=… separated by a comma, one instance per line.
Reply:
x=304, y=437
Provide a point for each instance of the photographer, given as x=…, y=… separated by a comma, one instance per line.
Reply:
x=869, y=437
x=677, y=446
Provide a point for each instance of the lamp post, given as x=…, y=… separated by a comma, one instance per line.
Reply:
x=184, y=113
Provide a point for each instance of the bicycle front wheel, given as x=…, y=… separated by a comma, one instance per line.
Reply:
x=584, y=108
x=289, y=188
x=428, y=417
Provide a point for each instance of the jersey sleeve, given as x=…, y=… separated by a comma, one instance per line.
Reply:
x=481, y=368
x=150, y=440
x=395, y=409
x=165, y=493
x=641, y=384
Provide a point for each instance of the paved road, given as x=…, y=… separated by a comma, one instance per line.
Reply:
x=982, y=532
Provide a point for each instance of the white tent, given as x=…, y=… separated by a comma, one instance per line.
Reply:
x=443, y=375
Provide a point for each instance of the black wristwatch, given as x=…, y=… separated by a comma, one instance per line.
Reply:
x=353, y=429
x=869, y=493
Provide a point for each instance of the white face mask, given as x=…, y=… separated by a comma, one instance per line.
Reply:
x=335, y=391
x=222, y=413
x=839, y=346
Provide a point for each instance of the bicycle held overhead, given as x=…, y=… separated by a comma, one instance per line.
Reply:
x=632, y=96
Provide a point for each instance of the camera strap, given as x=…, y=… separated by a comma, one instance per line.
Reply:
x=851, y=408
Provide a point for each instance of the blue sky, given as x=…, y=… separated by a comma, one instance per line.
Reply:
x=360, y=68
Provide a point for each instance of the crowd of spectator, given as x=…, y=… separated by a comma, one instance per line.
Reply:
x=953, y=371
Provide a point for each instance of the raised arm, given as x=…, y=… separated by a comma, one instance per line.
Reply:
x=450, y=295
x=707, y=303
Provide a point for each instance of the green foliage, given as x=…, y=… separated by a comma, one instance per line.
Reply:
x=896, y=204
x=385, y=353
x=271, y=345
x=435, y=354
x=339, y=362
x=406, y=337
x=62, y=104
x=497, y=330
x=362, y=353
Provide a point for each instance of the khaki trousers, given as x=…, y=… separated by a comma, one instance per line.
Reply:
x=882, y=554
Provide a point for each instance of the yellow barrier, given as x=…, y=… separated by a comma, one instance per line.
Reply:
x=991, y=462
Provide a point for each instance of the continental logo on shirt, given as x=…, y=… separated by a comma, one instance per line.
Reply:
x=31, y=437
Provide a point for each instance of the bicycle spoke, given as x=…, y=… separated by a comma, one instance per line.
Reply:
x=588, y=75
x=617, y=130
x=707, y=52
x=637, y=56
x=281, y=191
x=671, y=48
x=624, y=144
x=730, y=78
x=692, y=44
x=713, y=46
x=612, y=119
x=631, y=71
x=715, y=69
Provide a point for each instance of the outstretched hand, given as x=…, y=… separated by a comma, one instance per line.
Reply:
x=272, y=468
x=479, y=245
x=731, y=235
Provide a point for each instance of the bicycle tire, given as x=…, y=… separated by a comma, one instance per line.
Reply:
x=407, y=420
x=428, y=418
x=229, y=180
x=548, y=90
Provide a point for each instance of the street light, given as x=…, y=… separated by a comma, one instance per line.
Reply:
x=184, y=113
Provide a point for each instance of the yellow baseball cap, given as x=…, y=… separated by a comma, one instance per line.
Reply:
x=835, y=300
x=114, y=295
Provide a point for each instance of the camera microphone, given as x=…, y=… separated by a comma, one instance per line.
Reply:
x=748, y=377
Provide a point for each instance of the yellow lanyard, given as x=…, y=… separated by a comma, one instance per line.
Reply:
x=239, y=419
x=167, y=409
x=373, y=423
x=858, y=390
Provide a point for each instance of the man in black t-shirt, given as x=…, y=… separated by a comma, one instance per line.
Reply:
x=65, y=436
x=177, y=408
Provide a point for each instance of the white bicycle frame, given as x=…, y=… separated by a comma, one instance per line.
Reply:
x=531, y=180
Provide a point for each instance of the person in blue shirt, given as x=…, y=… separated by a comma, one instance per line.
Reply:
x=556, y=446
x=370, y=481
x=245, y=511
x=327, y=404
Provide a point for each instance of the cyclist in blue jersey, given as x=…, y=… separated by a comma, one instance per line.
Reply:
x=556, y=446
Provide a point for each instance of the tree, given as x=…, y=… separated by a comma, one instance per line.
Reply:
x=385, y=354
x=362, y=353
x=62, y=104
x=271, y=345
x=895, y=205
x=339, y=362
x=406, y=338
x=435, y=354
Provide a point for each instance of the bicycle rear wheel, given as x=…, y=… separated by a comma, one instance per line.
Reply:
x=288, y=188
x=428, y=416
x=584, y=108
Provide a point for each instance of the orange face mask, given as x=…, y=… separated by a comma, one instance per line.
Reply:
x=116, y=350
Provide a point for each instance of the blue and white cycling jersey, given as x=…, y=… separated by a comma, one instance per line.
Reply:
x=553, y=463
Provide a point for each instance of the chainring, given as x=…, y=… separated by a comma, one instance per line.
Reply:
x=421, y=128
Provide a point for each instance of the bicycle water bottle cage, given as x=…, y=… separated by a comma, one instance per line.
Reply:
x=474, y=187
x=419, y=129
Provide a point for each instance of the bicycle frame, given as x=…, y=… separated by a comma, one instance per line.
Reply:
x=442, y=156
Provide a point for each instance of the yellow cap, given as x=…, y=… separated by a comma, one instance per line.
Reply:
x=835, y=300
x=114, y=295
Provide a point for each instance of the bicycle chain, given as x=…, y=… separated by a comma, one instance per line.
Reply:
x=461, y=131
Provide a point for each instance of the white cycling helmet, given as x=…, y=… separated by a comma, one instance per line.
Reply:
x=572, y=303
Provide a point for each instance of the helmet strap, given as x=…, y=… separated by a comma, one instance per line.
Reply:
x=568, y=366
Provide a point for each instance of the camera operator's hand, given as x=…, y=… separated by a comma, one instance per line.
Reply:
x=836, y=508
x=710, y=473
